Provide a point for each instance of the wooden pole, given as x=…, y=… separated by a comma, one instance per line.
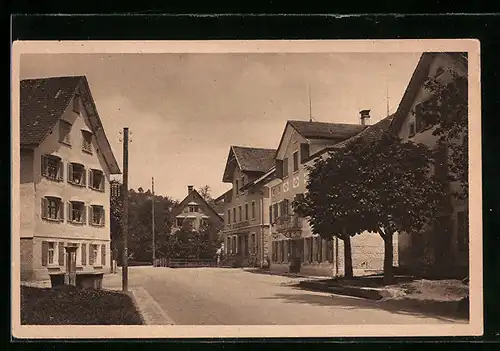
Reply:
x=125, y=211
x=153, y=217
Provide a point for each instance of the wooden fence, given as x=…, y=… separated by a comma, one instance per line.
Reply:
x=182, y=263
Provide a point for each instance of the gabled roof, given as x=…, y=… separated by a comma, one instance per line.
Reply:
x=195, y=196
x=322, y=130
x=44, y=100
x=271, y=174
x=248, y=159
x=369, y=134
x=417, y=80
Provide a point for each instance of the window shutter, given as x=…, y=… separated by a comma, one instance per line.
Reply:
x=84, y=254
x=44, y=165
x=91, y=178
x=84, y=177
x=45, y=253
x=304, y=152
x=285, y=167
x=60, y=171
x=103, y=181
x=44, y=208
x=103, y=216
x=91, y=215
x=103, y=255
x=60, y=211
x=70, y=172
x=270, y=214
x=61, y=254
x=70, y=212
x=91, y=255
x=279, y=168
x=84, y=214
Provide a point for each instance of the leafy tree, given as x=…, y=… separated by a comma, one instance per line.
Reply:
x=139, y=220
x=447, y=109
x=206, y=193
x=381, y=186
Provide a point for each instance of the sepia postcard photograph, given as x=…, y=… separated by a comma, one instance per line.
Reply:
x=187, y=189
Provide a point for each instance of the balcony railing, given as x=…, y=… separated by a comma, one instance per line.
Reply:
x=288, y=223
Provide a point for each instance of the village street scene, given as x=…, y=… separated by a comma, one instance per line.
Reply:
x=244, y=189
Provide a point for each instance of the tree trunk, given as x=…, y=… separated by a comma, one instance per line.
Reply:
x=348, y=272
x=388, y=258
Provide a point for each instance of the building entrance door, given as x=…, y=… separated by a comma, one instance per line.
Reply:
x=70, y=275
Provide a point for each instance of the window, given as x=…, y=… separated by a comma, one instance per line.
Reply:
x=51, y=253
x=229, y=216
x=178, y=222
x=270, y=214
x=239, y=213
x=284, y=207
x=77, y=174
x=84, y=254
x=275, y=214
x=65, y=132
x=87, y=141
x=246, y=212
x=96, y=179
x=52, y=167
x=76, y=103
x=234, y=215
x=77, y=213
x=237, y=188
x=192, y=208
x=97, y=215
x=253, y=209
x=411, y=130
x=295, y=161
x=52, y=209
x=285, y=167
x=253, y=243
x=462, y=231
x=93, y=254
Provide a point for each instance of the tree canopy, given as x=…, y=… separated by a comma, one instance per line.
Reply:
x=383, y=186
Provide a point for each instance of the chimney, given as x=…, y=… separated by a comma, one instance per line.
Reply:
x=365, y=117
x=190, y=188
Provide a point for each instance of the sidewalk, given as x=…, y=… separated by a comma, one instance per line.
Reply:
x=440, y=297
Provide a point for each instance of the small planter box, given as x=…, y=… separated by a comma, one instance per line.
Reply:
x=89, y=280
x=56, y=279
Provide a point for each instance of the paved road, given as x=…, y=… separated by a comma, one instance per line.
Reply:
x=218, y=296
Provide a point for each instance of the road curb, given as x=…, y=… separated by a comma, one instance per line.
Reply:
x=150, y=311
x=366, y=293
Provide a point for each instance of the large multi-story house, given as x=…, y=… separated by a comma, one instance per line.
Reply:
x=293, y=245
x=246, y=223
x=66, y=163
x=445, y=247
x=195, y=213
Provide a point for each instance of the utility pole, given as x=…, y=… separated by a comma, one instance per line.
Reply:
x=153, y=216
x=125, y=211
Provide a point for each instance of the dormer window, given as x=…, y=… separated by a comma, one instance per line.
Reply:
x=52, y=167
x=96, y=179
x=77, y=174
x=65, y=132
x=87, y=141
x=76, y=103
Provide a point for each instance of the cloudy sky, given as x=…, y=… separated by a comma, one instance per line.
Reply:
x=185, y=110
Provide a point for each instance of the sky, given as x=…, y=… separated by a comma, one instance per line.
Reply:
x=184, y=111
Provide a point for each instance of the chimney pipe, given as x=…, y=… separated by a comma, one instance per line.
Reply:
x=365, y=117
x=190, y=188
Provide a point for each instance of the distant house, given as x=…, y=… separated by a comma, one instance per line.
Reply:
x=246, y=223
x=66, y=163
x=445, y=247
x=194, y=212
x=293, y=240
